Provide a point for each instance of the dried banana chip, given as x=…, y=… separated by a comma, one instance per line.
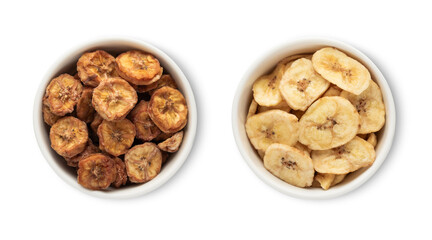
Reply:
x=49, y=117
x=114, y=98
x=172, y=144
x=329, y=122
x=281, y=106
x=143, y=162
x=121, y=175
x=145, y=127
x=138, y=67
x=69, y=136
x=168, y=110
x=332, y=91
x=162, y=137
x=370, y=106
x=341, y=70
x=266, y=88
x=62, y=94
x=350, y=157
x=97, y=120
x=338, y=179
x=289, y=164
x=84, y=108
x=372, y=139
x=325, y=179
x=116, y=138
x=165, y=80
x=95, y=67
x=96, y=171
x=90, y=149
x=252, y=108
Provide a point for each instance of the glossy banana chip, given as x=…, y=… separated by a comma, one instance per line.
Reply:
x=145, y=127
x=95, y=67
x=114, y=98
x=172, y=144
x=143, y=162
x=96, y=171
x=138, y=67
x=69, y=136
x=116, y=138
x=168, y=110
x=62, y=94
x=84, y=109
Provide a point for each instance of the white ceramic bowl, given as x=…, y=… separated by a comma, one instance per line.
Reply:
x=243, y=98
x=68, y=64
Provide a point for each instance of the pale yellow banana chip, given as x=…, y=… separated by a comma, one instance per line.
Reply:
x=252, y=108
x=372, y=139
x=333, y=90
x=370, y=106
x=341, y=70
x=329, y=122
x=289, y=164
x=301, y=85
x=274, y=126
x=266, y=88
x=303, y=148
x=338, y=179
x=281, y=106
x=350, y=157
x=325, y=179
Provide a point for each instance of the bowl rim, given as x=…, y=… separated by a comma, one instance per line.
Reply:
x=304, y=193
x=181, y=155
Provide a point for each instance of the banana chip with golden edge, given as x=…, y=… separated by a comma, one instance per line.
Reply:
x=138, y=67
x=96, y=171
x=168, y=109
x=121, y=176
x=84, y=108
x=281, y=106
x=145, y=127
x=143, y=162
x=90, y=149
x=95, y=67
x=329, y=122
x=165, y=80
x=69, y=136
x=116, y=138
x=172, y=144
x=114, y=98
x=350, y=157
x=62, y=94
x=49, y=117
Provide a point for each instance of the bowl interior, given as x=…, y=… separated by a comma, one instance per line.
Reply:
x=244, y=97
x=115, y=47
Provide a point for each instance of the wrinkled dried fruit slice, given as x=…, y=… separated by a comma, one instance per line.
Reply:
x=370, y=106
x=62, y=94
x=69, y=136
x=49, y=117
x=121, y=176
x=97, y=120
x=138, y=67
x=172, y=144
x=329, y=122
x=165, y=80
x=252, y=109
x=96, y=171
x=84, y=109
x=168, y=109
x=116, y=138
x=90, y=149
x=274, y=126
x=95, y=67
x=162, y=137
x=114, y=98
x=145, y=127
x=143, y=162
x=281, y=106
x=325, y=179
x=289, y=164
x=350, y=157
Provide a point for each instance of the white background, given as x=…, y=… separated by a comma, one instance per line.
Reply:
x=215, y=195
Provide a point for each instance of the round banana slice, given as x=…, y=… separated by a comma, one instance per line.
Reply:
x=143, y=162
x=168, y=109
x=266, y=88
x=116, y=138
x=172, y=144
x=301, y=85
x=97, y=120
x=138, y=67
x=341, y=70
x=95, y=67
x=252, y=108
x=165, y=80
x=69, y=136
x=121, y=175
x=96, y=171
x=289, y=164
x=49, y=117
x=333, y=90
x=354, y=155
x=114, y=98
x=274, y=126
x=145, y=127
x=338, y=179
x=90, y=149
x=281, y=106
x=329, y=122
x=62, y=94
x=372, y=139
x=84, y=108
x=370, y=106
